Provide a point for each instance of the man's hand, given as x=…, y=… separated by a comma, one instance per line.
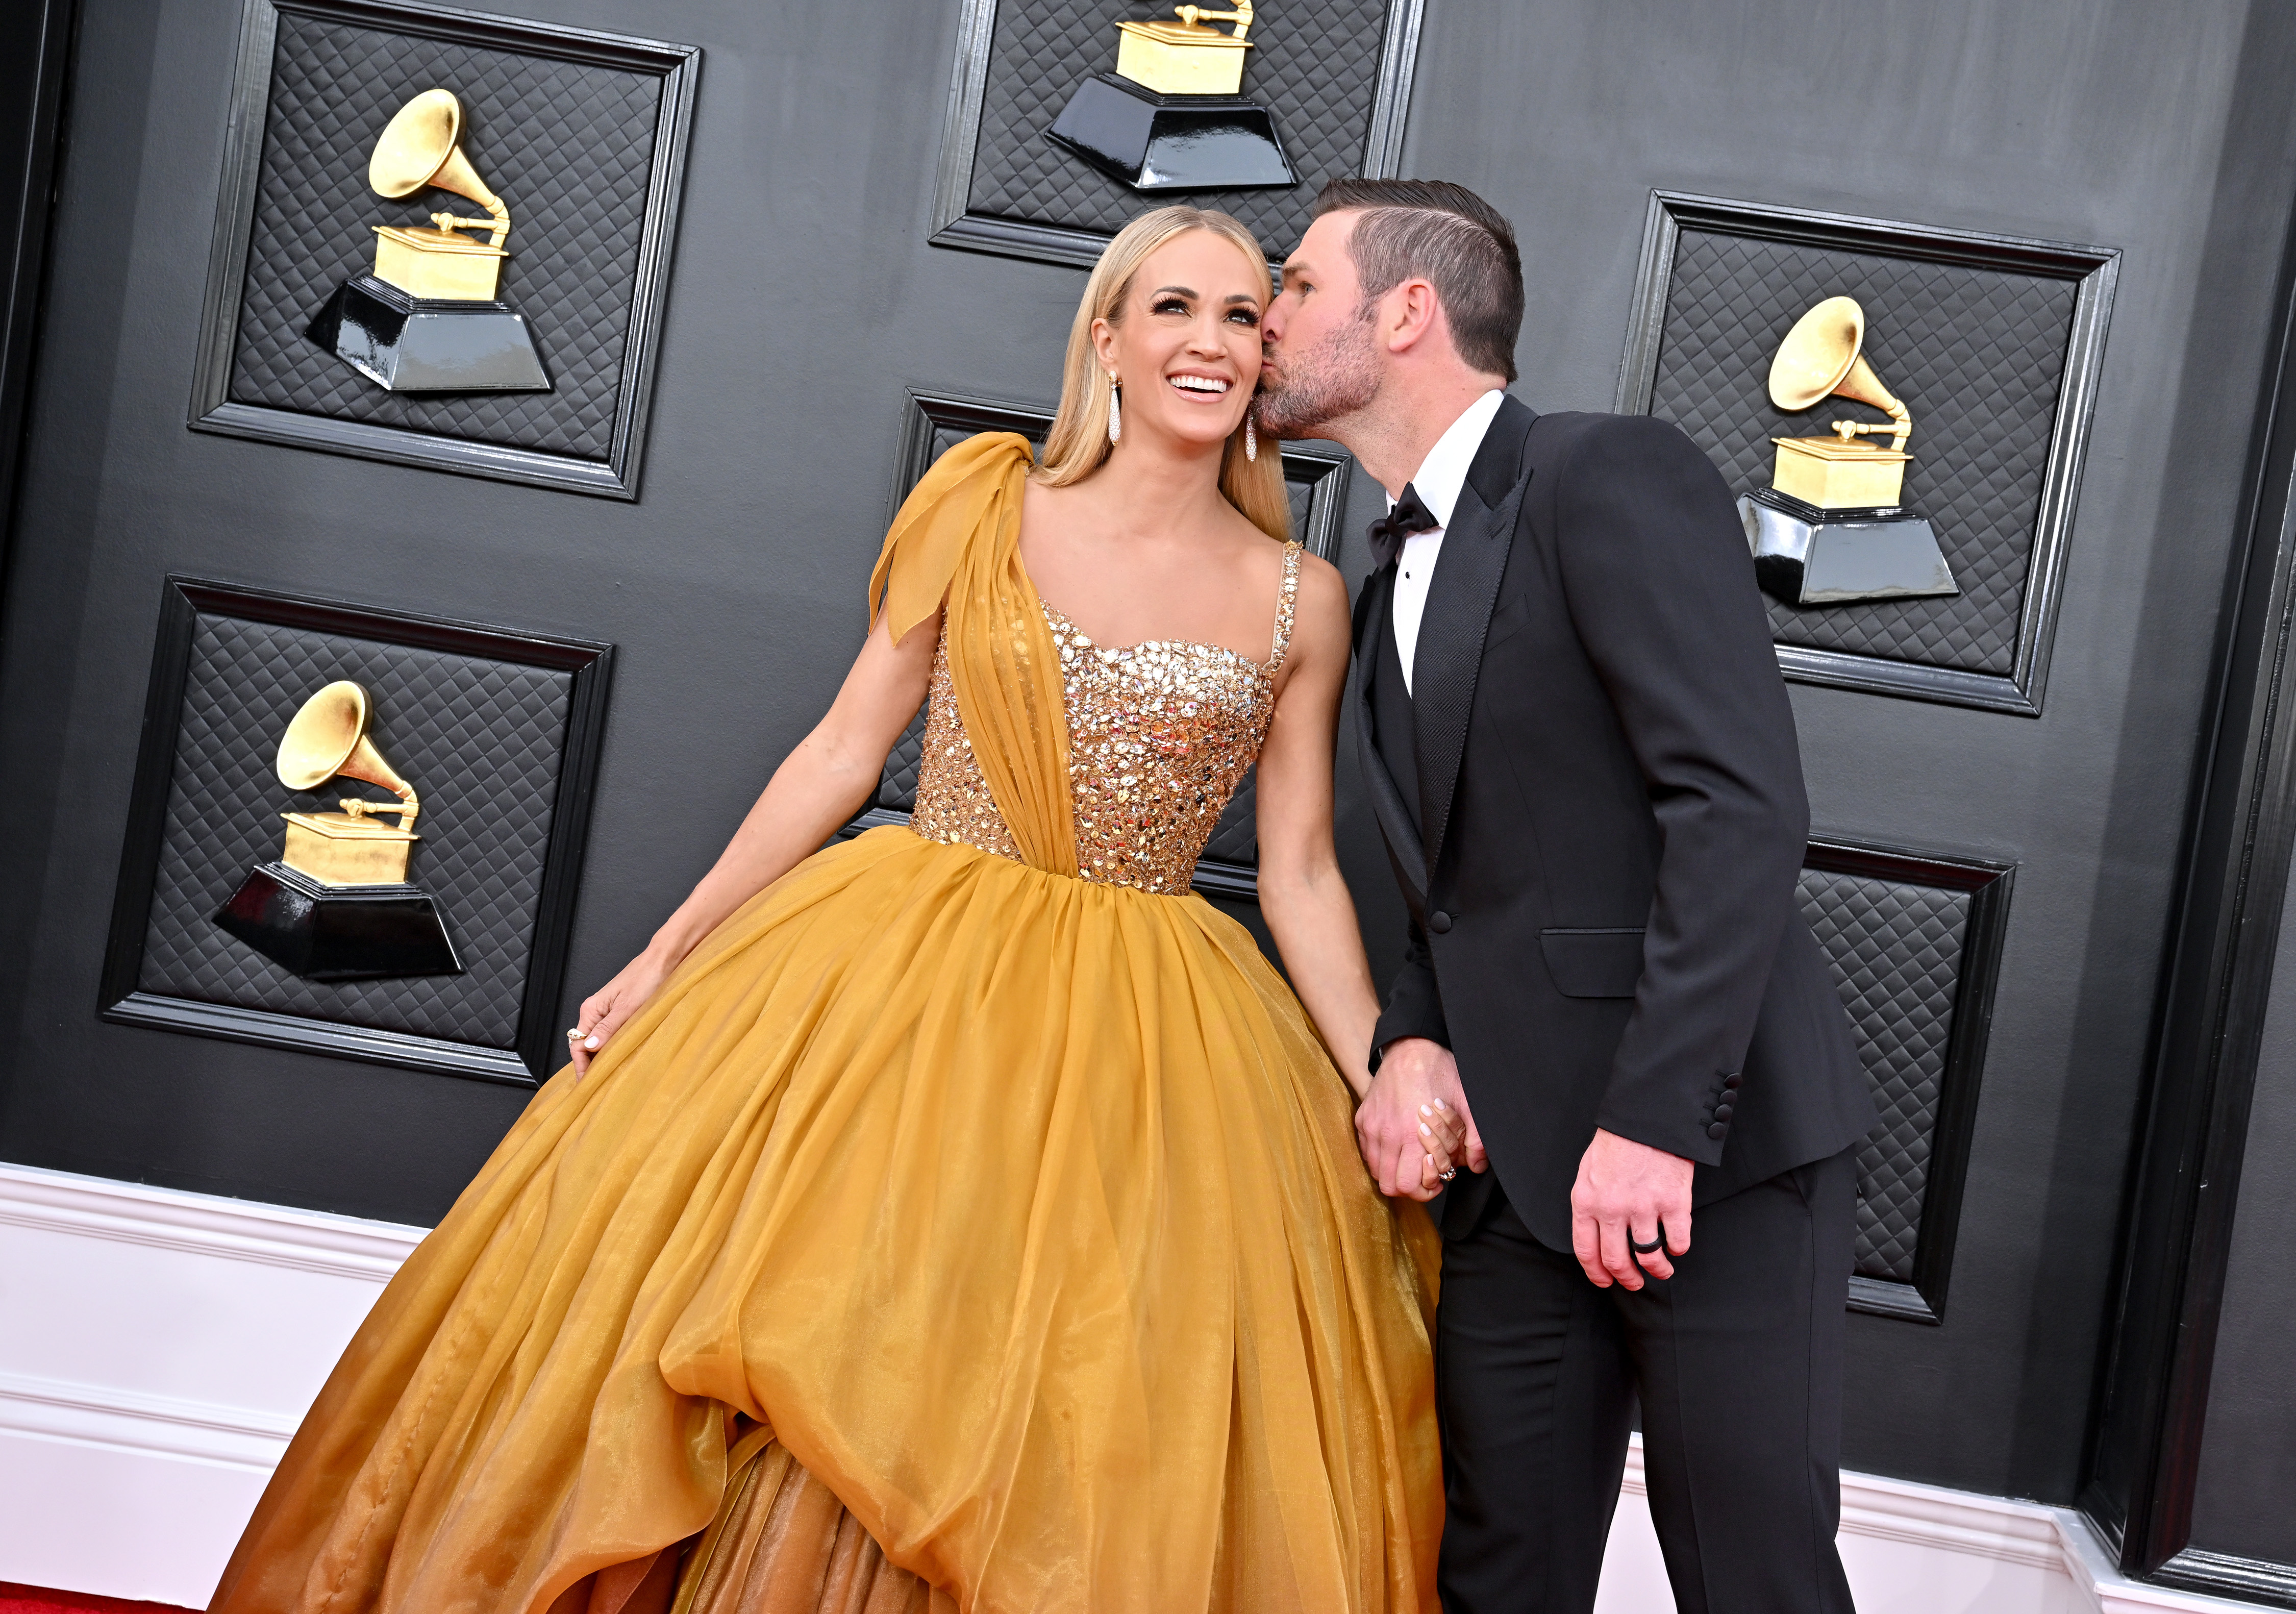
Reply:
x=1627, y=1192
x=1415, y=1110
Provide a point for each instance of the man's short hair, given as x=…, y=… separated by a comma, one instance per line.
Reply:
x=1432, y=230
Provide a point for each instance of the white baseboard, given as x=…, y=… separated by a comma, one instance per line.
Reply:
x=1924, y=1549
x=157, y=1349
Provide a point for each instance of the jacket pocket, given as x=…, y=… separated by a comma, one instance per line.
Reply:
x=1594, y=963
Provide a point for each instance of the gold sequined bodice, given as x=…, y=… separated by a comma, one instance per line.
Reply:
x=1159, y=735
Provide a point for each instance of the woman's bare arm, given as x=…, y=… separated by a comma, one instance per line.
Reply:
x=818, y=786
x=1302, y=895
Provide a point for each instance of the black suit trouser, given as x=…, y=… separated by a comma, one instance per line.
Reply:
x=1737, y=1361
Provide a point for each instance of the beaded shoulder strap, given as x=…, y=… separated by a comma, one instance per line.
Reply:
x=1287, y=599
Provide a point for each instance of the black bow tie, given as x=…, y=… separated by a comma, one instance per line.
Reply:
x=1408, y=516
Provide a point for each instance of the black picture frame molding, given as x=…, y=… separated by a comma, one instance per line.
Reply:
x=213, y=410
x=2096, y=270
x=2143, y=1458
x=540, y=1045
x=1990, y=884
x=955, y=224
x=1310, y=460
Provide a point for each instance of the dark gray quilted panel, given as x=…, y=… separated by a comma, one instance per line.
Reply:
x=1977, y=354
x=1301, y=495
x=1316, y=71
x=568, y=147
x=898, y=789
x=479, y=740
x=1235, y=837
x=1895, y=950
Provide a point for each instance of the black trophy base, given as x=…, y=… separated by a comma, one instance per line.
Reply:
x=416, y=344
x=1807, y=556
x=323, y=932
x=1172, y=143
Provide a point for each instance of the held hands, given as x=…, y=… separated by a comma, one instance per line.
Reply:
x=1628, y=1192
x=1414, y=1122
x=604, y=1010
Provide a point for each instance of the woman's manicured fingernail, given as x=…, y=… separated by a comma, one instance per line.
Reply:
x=589, y=1042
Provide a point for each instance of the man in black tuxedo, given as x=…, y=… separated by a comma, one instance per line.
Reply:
x=1580, y=752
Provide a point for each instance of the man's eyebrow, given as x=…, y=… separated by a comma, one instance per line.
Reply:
x=1293, y=267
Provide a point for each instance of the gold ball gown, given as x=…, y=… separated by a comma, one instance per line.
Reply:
x=972, y=1222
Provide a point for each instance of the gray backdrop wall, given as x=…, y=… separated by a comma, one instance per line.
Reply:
x=805, y=299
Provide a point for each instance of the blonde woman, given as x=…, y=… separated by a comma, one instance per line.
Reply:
x=964, y=1217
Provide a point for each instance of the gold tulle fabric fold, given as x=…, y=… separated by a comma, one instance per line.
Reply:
x=782, y=1543
x=957, y=538
x=1024, y=1211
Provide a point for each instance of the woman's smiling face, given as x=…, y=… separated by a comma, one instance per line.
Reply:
x=1188, y=347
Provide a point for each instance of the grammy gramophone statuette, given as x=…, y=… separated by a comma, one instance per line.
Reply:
x=1829, y=529
x=337, y=905
x=1172, y=116
x=428, y=319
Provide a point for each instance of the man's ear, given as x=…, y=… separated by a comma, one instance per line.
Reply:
x=1410, y=312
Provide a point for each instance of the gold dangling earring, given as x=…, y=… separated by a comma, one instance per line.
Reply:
x=1251, y=436
x=1115, y=409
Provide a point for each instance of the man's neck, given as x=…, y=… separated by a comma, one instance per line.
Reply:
x=1392, y=436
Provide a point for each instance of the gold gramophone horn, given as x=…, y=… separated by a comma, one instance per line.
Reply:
x=421, y=146
x=328, y=738
x=1820, y=358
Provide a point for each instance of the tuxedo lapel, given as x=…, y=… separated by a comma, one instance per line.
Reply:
x=1397, y=823
x=1460, y=599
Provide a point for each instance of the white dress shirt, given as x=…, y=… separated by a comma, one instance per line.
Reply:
x=1440, y=476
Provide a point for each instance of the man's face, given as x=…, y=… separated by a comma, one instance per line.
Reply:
x=1320, y=361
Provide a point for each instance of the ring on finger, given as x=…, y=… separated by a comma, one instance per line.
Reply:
x=1652, y=1248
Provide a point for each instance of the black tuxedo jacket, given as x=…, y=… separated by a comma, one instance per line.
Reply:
x=1593, y=800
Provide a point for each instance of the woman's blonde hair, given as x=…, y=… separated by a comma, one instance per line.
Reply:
x=1077, y=443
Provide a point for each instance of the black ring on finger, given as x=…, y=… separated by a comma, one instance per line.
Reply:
x=1652, y=1248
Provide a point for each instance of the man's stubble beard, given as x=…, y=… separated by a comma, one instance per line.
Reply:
x=1336, y=379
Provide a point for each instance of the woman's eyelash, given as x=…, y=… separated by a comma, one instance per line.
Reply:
x=1179, y=305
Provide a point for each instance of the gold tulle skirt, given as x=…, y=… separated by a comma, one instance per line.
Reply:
x=1017, y=1220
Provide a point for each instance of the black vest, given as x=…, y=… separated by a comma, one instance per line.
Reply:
x=1391, y=711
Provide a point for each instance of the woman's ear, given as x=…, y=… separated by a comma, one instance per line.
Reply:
x=1103, y=343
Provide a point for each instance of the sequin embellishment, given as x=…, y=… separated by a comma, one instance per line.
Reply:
x=1159, y=735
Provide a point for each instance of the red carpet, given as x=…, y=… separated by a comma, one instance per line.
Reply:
x=32, y=1599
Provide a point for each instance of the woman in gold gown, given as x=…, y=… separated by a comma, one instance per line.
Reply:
x=964, y=1217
